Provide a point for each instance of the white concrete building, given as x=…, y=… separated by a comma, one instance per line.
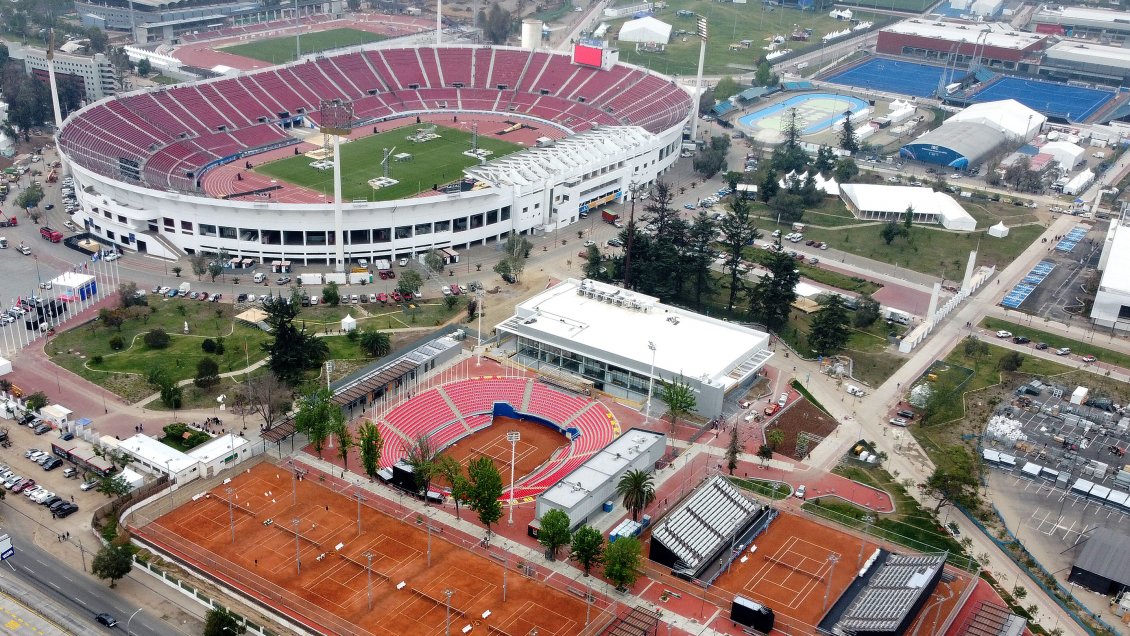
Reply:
x=621, y=340
x=1112, y=301
x=155, y=458
x=223, y=452
x=94, y=73
x=884, y=203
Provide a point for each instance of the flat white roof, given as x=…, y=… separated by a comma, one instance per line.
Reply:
x=621, y=323
x=895, y=199
x=972, y=33
x=1089, y=52
x=601, y=467
x=1118, y=262
x=71, y=279
x=157, y=454
x=1067, y=14
x=220, y=447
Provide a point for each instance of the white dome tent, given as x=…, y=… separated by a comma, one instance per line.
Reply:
x=1000, y=230
x=348, y=323
x=648, y=30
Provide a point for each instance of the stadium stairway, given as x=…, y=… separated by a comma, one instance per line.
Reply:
x=165, y=243
x=526, y=397
x=454, y=408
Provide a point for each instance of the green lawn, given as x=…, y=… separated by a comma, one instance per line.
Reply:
x=767, y=489
x=873, y=361
x=1056, y=341
x=433, y=162
x=283, y=49
x=729, y=24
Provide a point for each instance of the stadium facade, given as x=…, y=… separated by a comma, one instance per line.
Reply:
x=959, y=43
x=139, y=159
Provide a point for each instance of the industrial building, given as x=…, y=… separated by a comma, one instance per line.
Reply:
x=890, y=203
x=1111, y=308
x=959, y=43
x=95, y=74
x=1088, y=61
x=1100, y=25
x=1103, y=565
x=583, y=491
x=625, y=343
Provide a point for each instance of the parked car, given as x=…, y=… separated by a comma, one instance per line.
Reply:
x=106, y=619
x=784, y=399
x=799, y=494
x=1041, y=345
x=1004, y=334
x=282, y=280
x=1022, y=340
x=771, y=409
x=1089, y=359
x=382, y=297
x=66, y=510
x=396, y=297
x=1063, y=351
x=455, y=291
x=88, y=485
x=906, y=413
x=898, y=421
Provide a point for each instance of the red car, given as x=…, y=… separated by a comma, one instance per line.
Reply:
x=395, y=297
x=383, y=275
x=771, y=409
x=407, y=296
x=454, y=290
x=26, y=485
x=382, y=297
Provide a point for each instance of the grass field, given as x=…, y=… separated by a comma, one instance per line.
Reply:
x=438, y=161
x=1056, y=341
x=282, y=49
x=729, y=24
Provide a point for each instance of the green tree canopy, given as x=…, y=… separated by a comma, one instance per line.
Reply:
x=293, y=350
x=622, y=561
x=587, y=547
x=112, y=562
x=829, y=332
x=207, y=373
x=954, y=479
x=484, y=490
x=376, y=343
x=318, y=417
x=370, y=444
x=331, y=294
x=637, y=487
x=678, y=396
x=554, y=531
x=221, y=622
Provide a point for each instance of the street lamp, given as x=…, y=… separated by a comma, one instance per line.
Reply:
x=650, y=383
x=369, y=556
x=447, y=621
x=131, y=619
x=512, y=437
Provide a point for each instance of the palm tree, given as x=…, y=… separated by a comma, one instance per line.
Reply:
x=775, y=437
x=637, y=487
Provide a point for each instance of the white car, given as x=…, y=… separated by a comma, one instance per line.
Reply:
x=898, y=421
x=1004, y=334
x=113, y=256
x=88, y=485
x=799, y=494
x=781, y=401
x=403, y=262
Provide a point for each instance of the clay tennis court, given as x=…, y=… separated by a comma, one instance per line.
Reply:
x=536, y=445
x=790, y=569
x=330, y=591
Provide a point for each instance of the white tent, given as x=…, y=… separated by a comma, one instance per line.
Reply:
x=646, y=30
x=348, y=323
x=1079, y=182
x=1008, y=116
x=5, y=366
x=999, y=230
x=1065, y=153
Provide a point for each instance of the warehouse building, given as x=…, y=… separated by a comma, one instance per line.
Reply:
x=625, y=343
x=959, y=43
x=1111, y=308
x=890, y=203
x=1087, y=61
x=1102, y=25
x=1103, y=565
x=958, y=145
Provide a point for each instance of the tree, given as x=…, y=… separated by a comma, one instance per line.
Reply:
x=771, y=298
x=177, y=269
x=825, y=161
x=449, y=302
x=111, y=318
x=891, y=230
x=829, y=332
x=376, y=343
x=679, y=398
x=199, y=264
x=409, y=282
x=472, y=308
x=30, y=197
x=484, y=490
x=144, y=67
x=113, y=486
x=712, y=159
x=765, y=75
x=421, y=456
x=331, y=295
x=99, y=41
x=587, y=547
x=1010, y=361
x=848, y=139
x=221, y=622
x=36, y=401
x=434, y=261
x=788, y=207
x=954, y=479
x=726, y=88
x=291, y=350
x=622, y=562
x=128, y=296
x=215, y=268
x=451, y=470
x=700, y=255
x=765, y=453
x=269, y=397
x=974, y=348
x=908, y=220
x=554, y=531
x=496, y=24
x=733, y=449
x=637, y=487
x=866, y=311
x=845, y=170
x=112, y=562
x=156, y=339
x=738, y=231
x=345, y=441
x=318, y=417
x=502, y=268
x=172, y=396
x=594, y=267
x=207, y=373
x=516, y=250
x=775, y=437
x=370, y=444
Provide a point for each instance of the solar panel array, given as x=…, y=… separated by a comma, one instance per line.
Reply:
x=891, y=593
x=695, y=530
x=1071, y=239
x=1028, y=284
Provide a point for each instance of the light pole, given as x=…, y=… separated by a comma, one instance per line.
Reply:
x=447, y=621
x=512, y=437
x=650, y=383
x=833, y=558
x=231, y=513
x=369, y=556
x=360, y=498
x=297, y=556
x=480, y=296
x=128, y=621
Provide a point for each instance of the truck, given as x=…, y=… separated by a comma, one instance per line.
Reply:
x=609, y=217
x=9, y=221
x=49, y=234
x=856, y=391
x=896, y=315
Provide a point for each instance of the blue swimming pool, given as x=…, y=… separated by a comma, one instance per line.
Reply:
x=815, y=112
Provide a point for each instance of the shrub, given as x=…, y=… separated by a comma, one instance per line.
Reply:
x=156, y=339
x=96, y=360
x=207, y=373
x=209, y=345
x=116, y=342
x=219, y=346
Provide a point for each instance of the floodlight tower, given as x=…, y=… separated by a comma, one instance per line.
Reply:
x=702, y=36
x=336, y=121
x=439, y=22
x=51, y=80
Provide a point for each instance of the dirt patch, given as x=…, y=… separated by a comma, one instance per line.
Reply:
x=801, y=420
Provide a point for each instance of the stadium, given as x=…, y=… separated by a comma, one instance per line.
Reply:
x=176, y=170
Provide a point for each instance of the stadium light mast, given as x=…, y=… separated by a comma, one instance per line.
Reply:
x=702, y=36
x=336, y=120
x=439, y=22
x=51, y=80
x=513, y=437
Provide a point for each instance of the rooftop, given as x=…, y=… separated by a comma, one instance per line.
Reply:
x=1067, y=14
x=1089, y=52
x=1105, y=554
x=896, y=199
x=891, y=593
x=220, y=447
x=1118, y=262
x=597, y=469
x=156, y=453
x=957, y=32
x=71, y=279
x=619, y=326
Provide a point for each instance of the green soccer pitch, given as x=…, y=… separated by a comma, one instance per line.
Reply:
x=281, y=50
x=438, y=161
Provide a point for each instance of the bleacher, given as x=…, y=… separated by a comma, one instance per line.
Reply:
x=421, y=414
x=690, y=536
x=892, y=594
x=232, y=115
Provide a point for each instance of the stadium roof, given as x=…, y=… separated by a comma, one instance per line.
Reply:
x=974, y=141
x=1089, y=53
x=616, y=325
x=713, y=513
x=972, y=33
x=1069, y=15
x=1105, y=554
x=598, y=469
x=896, y=199
x=566, y=157
x=891, y=593
x=1007, y=115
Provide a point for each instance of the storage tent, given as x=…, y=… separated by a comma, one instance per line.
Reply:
x=1079, y=182
x=349, y=323
x=956, y=144
x=999, y=230
x=1009, y=116
x=646, y=30
x=1065, y=153
x=884, y=203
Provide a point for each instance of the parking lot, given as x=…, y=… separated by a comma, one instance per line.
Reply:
x=1058, y=296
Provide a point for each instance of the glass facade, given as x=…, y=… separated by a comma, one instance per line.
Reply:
x=605, y=377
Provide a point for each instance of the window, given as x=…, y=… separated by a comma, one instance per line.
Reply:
x=315, y=238
x=272, y=237
x=423, y=228
x=1124, y=312
x=106, y=213
x=122, y=219
x=358, y=237
x=382, y=235
x=460, y=224
x=476, y=221
x=227, y=232
x=206, y=230
x=492, y=217
x=292, y=237
x=404, y=231
x=170, y=223
x=185, y=226
x=506, y=213
x=248, y=235
x=443, y=226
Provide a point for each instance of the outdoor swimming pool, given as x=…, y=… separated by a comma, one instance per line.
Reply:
x=815, y=112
